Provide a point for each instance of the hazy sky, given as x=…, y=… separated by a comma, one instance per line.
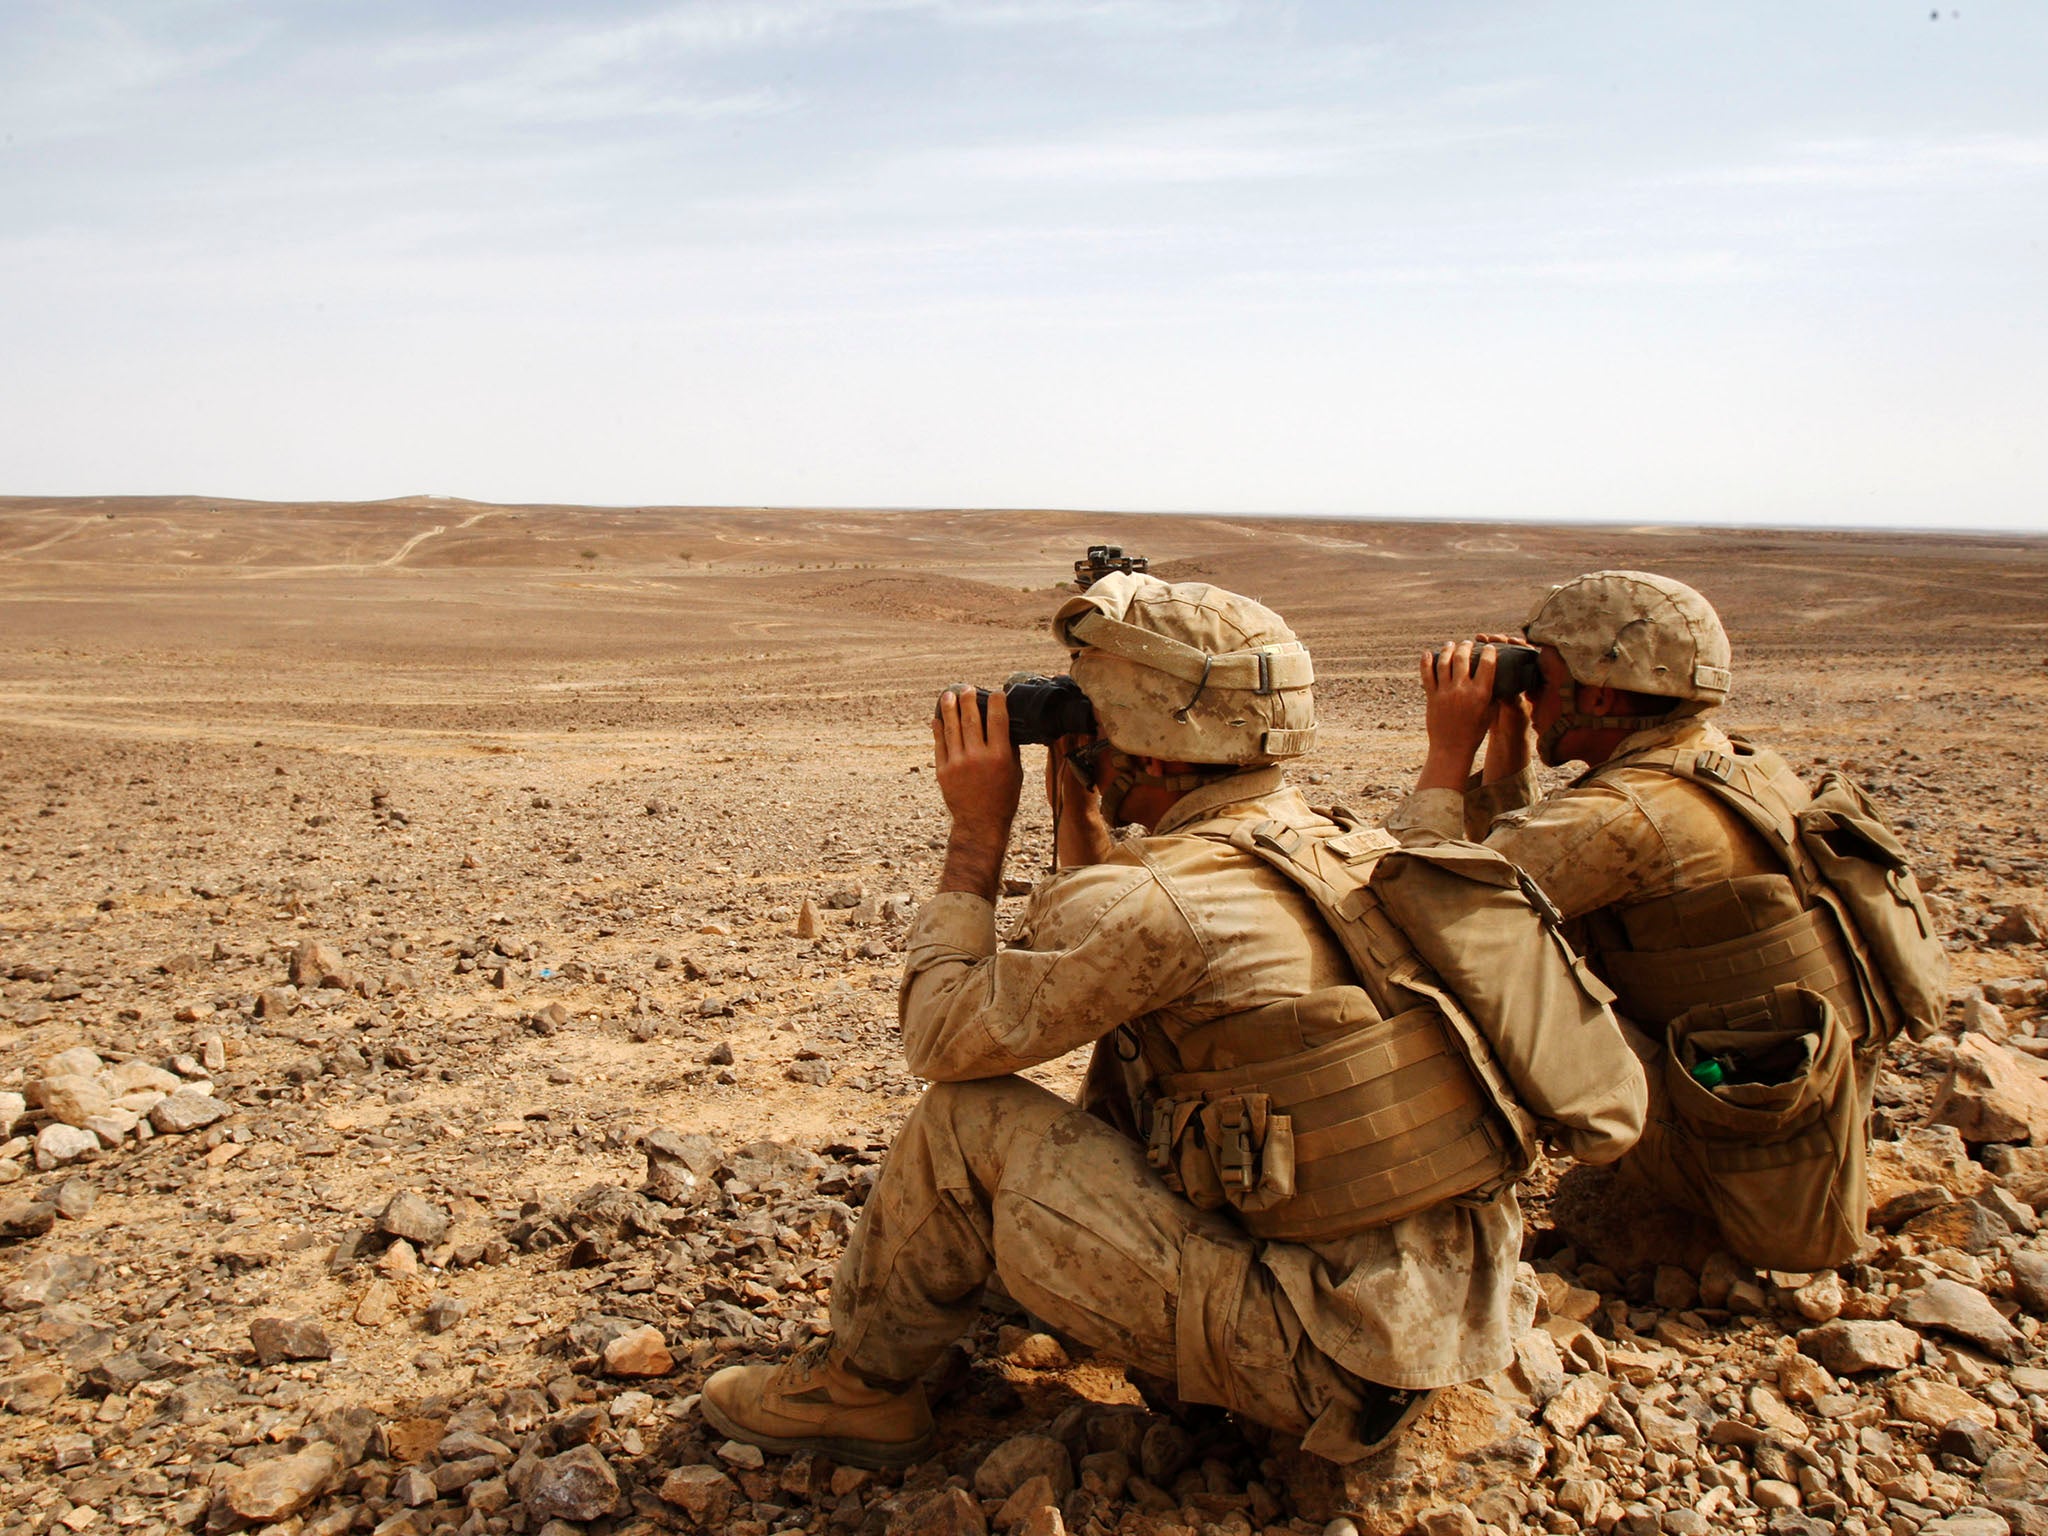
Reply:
x=1781, y=262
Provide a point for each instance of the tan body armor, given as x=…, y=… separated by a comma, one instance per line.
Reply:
x=1654, y=986
x=1774, y=1020
x=1473, y=1030
x=1800, y=928
x=1381, y=1120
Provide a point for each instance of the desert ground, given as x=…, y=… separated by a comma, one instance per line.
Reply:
x=509, y=901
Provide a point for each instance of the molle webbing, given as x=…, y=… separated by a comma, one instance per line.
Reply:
x=1263, y=669
x=1386, y=1121
x=1657, y=985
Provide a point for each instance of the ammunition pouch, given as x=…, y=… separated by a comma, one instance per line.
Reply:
x=1355, y=1133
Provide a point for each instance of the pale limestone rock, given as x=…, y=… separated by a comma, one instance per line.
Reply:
x=1990, y=1094
x=273, y=1490
x=640, y=1353
x=79, y=1061
x=1851, y=1348
x=138, y=1077
x=1803, y=1380
x=1018, y=1460
x=186, y=1111
x=1820, y=1299
x=1935, y=1403
x=1538, y=1367
x=59, y=1145
x=378, y=1304
x=1951, y=1307
x=74, y=1099
x=1572, y=1409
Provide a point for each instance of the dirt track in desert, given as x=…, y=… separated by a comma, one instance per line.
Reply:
x=538, y=798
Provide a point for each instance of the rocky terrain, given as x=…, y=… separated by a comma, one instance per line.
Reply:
x=447, y=966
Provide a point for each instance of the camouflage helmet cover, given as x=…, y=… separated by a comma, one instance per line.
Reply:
x=1189, y=672
x=1632, y=630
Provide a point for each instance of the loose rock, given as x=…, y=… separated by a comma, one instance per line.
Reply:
x=274, y=1489
x=289, y=1338
x=1950, y=1307
x=703, y=1493
x=413, y=1218
x=186, y=1111
x=1851, y=1348
x=643, y=1352
x=1019, y=1459
x=1990, y=1094
x=1936, y=1403
x=579, y=1484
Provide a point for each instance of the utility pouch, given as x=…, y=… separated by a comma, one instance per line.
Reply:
x=1231, y=1150
x=1778, y=1163
x=1864, y=866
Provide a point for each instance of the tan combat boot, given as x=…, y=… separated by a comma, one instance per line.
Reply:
x=813, y=1403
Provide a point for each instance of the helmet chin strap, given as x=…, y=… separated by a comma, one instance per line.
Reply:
x=1549, y=744
x=1126, y=775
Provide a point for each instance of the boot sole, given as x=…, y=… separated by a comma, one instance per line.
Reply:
x=880, y=1455
x=1409, y=1415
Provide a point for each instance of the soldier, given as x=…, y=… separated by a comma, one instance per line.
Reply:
x=1171, y=953
x=1681, y=903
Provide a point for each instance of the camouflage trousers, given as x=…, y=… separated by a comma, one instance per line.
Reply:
x=1001, y=1177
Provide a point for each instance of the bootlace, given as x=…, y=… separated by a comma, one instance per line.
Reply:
x=808, y=1362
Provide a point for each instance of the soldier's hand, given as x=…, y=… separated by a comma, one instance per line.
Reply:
x=1081, y=834
x=981, y=777
x=1459, y=708
x=1065, y=788
x=1457, y=682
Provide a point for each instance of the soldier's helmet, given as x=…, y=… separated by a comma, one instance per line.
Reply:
x=1189, y=672
x=1633, y=630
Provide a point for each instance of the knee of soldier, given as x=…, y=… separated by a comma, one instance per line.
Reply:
x=983, y=1124
x=987, y=1102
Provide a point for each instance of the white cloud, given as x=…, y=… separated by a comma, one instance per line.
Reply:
x=1196, y=146
x=70, y=70
x=1879, y=163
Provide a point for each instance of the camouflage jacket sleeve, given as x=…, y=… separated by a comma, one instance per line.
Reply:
x=1430, y=813
x=1104, y=945
x=1590, y=846
x=1487, y=803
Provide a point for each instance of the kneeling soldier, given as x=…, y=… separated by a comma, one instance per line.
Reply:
x=1764, y=940
x=1286, y=1195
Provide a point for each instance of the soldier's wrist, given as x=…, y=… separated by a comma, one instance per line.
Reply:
x=974, y=860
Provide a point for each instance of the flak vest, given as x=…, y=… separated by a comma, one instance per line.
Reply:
x=1767, y=951
x=1353, y=1106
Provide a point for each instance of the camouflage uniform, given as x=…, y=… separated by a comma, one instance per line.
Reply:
x=993, y=1174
